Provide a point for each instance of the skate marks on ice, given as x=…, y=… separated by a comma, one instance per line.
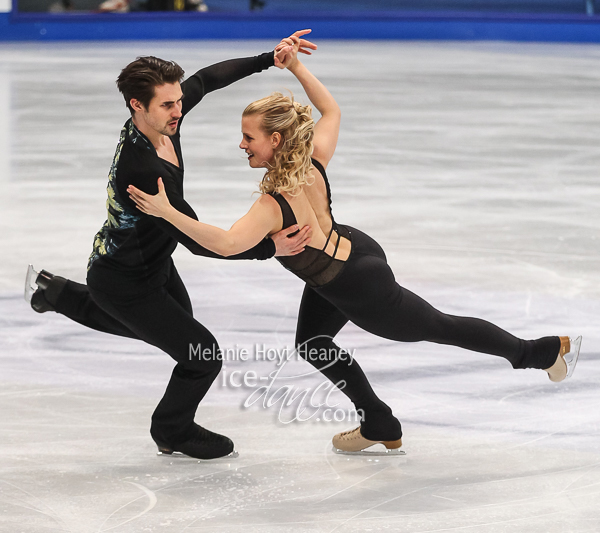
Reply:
x=487, y=447
x=83, y=462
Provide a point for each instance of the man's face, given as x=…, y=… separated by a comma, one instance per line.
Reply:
x=164, y=111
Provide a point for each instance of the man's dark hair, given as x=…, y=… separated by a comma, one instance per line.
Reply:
x=139, y=78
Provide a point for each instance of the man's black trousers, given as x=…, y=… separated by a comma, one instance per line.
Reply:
x=159, y=313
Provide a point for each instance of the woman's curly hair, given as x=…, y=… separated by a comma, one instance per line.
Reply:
x=294, y=122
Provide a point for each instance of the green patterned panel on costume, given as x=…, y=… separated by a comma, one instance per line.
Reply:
x=112, y=233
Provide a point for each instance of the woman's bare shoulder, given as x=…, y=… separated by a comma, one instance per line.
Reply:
x=266, y=208
x=266, y=202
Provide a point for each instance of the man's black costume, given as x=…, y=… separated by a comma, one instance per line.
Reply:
x=133, y=288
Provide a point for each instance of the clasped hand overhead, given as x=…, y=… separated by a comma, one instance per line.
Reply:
x=287, y=50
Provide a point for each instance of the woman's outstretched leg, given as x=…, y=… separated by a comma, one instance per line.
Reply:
x=421, y=321
x=367, y=293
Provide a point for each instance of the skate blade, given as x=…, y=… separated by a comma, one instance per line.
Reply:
x=179, y=455
x=372, y=453
x=572, y=357
x=30, y=284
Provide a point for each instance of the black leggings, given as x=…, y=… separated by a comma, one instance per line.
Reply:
x=162, y=316
x=366, y=293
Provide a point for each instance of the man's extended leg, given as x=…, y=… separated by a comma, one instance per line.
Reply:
x=71, y=299
x=163, y=317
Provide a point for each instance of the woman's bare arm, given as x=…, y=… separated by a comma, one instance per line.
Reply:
x=328, y=126
x=263, y=219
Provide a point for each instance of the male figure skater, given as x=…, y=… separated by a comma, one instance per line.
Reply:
x=133, y=288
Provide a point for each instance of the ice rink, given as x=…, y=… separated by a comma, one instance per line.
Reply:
x=474, y=165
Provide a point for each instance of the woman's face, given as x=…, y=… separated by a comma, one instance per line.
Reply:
x=258, y=145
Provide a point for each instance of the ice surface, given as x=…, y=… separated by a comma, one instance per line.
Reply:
x=475, y=166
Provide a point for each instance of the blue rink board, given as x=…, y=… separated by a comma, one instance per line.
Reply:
x=364, y=25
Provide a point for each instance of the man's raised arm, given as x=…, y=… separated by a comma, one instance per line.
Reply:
x=225, y=73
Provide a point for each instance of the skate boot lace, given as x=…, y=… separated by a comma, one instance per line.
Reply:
x=351, y=432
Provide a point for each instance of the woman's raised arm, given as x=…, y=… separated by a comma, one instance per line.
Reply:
x=328, y=126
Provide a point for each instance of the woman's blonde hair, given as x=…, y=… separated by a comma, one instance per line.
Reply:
x=295, y=124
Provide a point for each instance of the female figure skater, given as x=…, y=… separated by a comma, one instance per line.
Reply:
x=346, y=273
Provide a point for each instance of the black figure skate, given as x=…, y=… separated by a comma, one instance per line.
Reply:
x=203, y=444
x=35, y=285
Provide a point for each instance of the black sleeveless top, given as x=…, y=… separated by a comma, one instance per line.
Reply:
x=313, y=266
